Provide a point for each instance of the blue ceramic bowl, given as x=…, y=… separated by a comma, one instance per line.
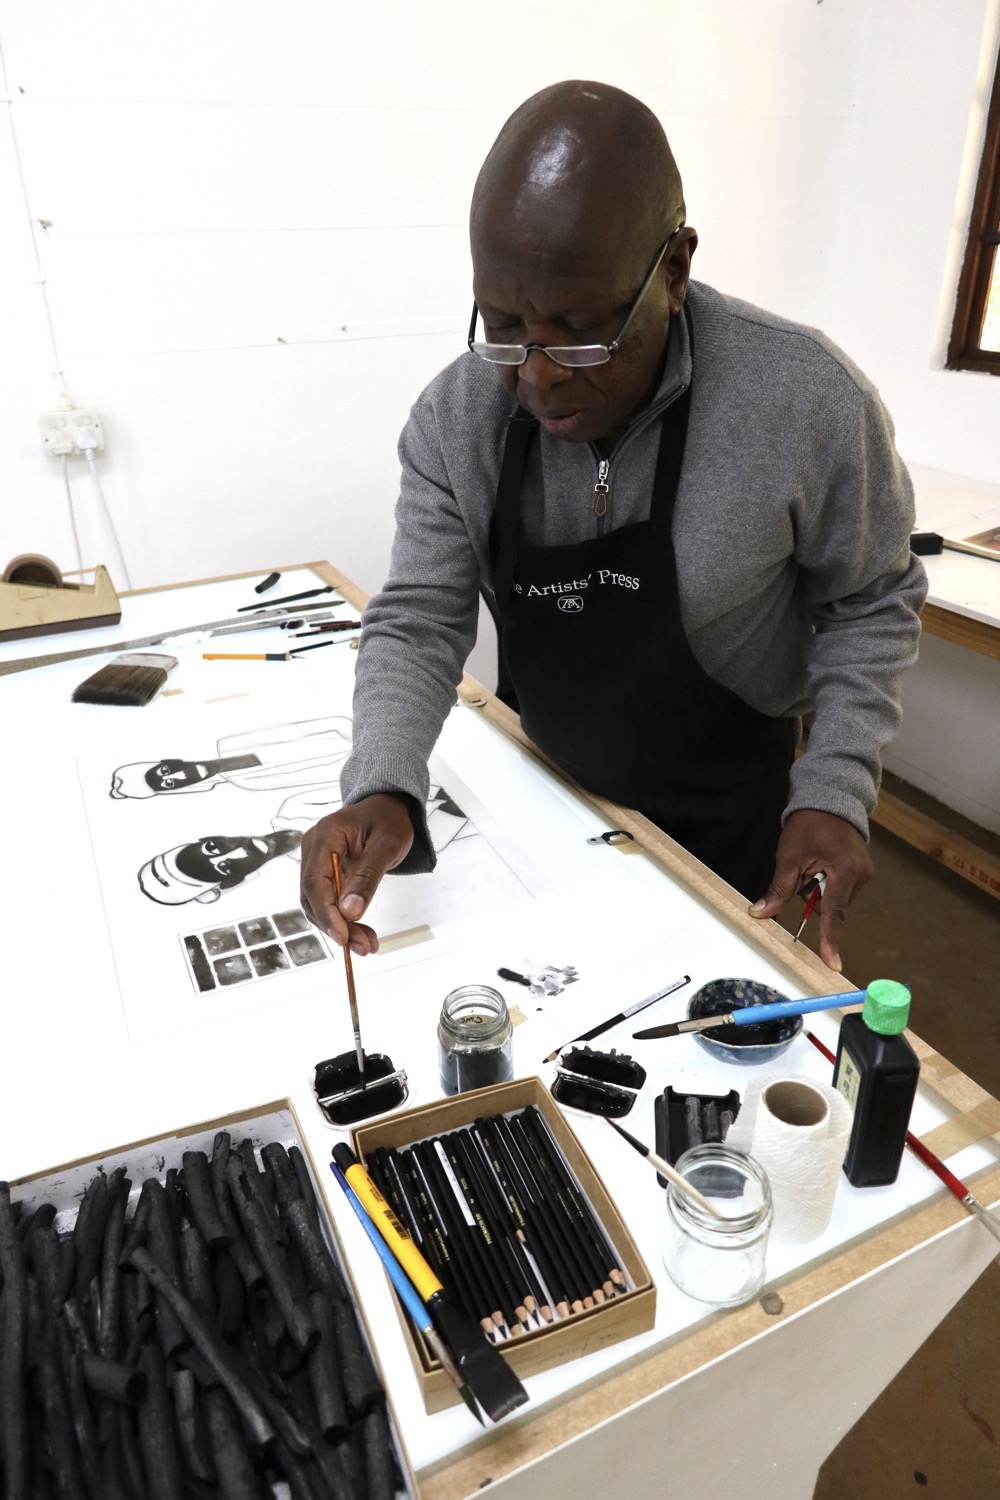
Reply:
x=747, y=1045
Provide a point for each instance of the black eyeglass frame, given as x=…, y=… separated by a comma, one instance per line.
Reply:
x=596, y=354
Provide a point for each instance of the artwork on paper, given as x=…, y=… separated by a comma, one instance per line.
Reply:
x=197, y=843
x=253, y=948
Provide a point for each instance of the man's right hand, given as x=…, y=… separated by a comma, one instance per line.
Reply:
x=370, y=837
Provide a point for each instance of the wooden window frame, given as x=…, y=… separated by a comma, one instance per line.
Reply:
x=982, y=246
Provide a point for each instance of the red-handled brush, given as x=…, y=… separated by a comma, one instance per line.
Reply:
x=951, y=1182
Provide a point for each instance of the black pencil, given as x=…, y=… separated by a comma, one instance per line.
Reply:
x=541, y=1224
x=515, y=1216
x=574, y=1228
x=549, y=1263
x=503, y=1222
x=493, y=1237
x=417, y=1198
x=603, y=1249
x=589, y=1288
x=442, y=1201
x=478, y=1243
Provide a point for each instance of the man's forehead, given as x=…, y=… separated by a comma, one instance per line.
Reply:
x=577, y=263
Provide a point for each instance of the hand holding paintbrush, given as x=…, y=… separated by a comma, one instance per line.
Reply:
x=351, y=993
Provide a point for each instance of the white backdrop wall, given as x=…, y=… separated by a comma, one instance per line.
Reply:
x=249, y=220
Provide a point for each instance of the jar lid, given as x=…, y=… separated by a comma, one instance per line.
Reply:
x=887, y=1007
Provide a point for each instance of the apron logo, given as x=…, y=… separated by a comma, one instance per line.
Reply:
x=571, y=604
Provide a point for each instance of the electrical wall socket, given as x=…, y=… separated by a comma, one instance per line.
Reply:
x=61, y=429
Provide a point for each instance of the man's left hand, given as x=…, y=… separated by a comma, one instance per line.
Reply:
x=812, y=841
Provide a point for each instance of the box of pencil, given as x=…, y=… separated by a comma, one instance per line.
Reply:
x=180, y=1319
x=508, y=1210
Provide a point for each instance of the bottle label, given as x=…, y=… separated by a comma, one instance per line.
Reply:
x=848, y=1079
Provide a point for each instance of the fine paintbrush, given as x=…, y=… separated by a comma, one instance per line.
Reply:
x=671, y=1173
x=952, y=1183
x=812, y=890
x=751, y=1014
x=623, y=1015
x=407, y=1295
x=483, y=1368
x=351, y=993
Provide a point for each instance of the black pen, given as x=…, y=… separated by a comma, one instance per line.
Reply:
x=622, y=1015
x=327, y=588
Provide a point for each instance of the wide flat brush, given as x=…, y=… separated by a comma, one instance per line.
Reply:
x=482, y=1367
x=129, y=681
x=751, y=1014
x=405, y=1291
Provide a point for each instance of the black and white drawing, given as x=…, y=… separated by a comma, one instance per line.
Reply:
x=278, y=757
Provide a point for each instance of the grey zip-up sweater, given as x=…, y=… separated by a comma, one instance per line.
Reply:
x=791, y=532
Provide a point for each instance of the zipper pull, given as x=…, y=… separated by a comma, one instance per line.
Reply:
x=601, y=490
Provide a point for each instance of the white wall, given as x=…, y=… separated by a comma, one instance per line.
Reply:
x=257, y=252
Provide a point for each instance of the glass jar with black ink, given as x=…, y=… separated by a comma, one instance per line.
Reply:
x=475, y=1045
x=718, y=1257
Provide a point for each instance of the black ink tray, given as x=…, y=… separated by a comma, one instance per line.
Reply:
x=678, y=1126
x=346, y=1100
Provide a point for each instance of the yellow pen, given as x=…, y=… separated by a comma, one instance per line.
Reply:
x=482, y=1367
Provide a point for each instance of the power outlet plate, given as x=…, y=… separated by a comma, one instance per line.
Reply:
x=60, y=431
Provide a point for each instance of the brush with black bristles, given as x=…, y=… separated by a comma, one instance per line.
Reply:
x=481, y=1367
x=131, y=680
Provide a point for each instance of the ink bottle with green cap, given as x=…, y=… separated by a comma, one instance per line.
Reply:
x=876, y=1070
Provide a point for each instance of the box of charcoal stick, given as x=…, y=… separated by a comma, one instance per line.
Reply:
x=182, y=1304
x=578, y=1325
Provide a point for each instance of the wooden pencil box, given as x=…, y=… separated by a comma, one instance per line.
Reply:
x=621, y=1317
x=63, y=1187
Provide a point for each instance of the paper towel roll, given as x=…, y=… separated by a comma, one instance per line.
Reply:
x=798, y=1130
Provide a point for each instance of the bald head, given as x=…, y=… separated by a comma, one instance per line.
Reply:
x=576, y=156
x=576, y=240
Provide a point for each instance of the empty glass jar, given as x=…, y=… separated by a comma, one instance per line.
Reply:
x=718, y=1260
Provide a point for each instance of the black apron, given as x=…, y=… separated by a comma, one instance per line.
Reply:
x=606, y=684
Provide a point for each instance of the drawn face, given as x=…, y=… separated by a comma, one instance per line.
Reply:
x=175, y=775
x=223, y=861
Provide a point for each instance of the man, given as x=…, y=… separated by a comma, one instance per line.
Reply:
x=688, y=516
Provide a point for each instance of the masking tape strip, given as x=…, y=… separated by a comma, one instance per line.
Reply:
x=410, y=935
x=964, y=1130
x=933, y=1065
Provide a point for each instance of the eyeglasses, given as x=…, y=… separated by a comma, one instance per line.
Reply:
x=574, y=356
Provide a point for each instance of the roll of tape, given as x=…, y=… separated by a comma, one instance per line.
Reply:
x=31, y=567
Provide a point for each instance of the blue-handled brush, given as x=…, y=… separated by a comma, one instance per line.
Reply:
x=408, y=1296
x=751, y=1014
